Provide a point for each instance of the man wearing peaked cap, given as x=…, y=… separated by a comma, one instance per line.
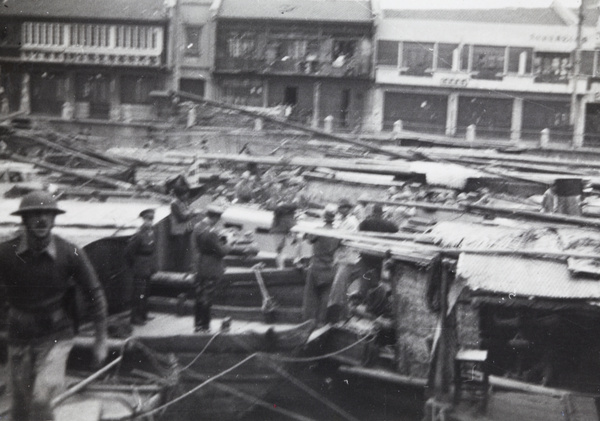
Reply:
x=147, y=213
x=208, y=263
x=140, y=254
x=36, y=271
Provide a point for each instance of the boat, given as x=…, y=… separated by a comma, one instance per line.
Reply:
x=223, y=373
x=134, y=383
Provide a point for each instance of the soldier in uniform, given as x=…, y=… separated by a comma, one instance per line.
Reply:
x=140, y=253
x=38, y=274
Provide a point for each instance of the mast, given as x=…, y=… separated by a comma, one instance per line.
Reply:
x=575, y=106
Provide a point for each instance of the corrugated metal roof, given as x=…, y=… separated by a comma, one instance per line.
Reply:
x=524, y=16
x=524, y=277
x=518, y=276
x=297, y=10
x=138, y=10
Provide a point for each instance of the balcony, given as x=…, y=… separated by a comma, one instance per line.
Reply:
x=109, y=45
x=311, y=67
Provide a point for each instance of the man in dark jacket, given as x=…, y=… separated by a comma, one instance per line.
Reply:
x=210, y=251
x=321, y=272
x=370, y=266
x=38, y=271
x=140, y=253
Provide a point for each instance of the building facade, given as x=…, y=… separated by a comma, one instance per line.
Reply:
x=83, y=58
x=509, y=73
x=313, y=58
x=192, y=30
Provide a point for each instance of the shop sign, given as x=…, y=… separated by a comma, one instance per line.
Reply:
x=452, y=80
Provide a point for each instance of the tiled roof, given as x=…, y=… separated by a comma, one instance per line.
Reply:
x=525, y=16
x=138, y=10
x=297, y=10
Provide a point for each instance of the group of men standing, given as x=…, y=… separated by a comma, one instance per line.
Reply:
x=333, y=266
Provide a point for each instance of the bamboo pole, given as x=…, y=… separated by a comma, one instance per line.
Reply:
x=97, y=177
x=384, y=375
x=354, y=165
x=517, y=213
x=413, y=250
x=70, y=151
x=83, y=384
x=550, y=217
x=321, y=133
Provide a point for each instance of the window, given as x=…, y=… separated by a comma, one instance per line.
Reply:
x=417, y=58
x=587, y=63
x=243, y=92
x=387, y=53
x=488, y=62
x=446, y=56
x=343, y=48
x=552, y=67
x=136, y=89
x=240, y=45
x=192, y=41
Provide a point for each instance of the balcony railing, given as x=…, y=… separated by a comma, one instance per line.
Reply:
x=350, y=68
x=111, y=45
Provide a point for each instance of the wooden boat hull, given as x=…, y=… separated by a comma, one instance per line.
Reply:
x=135, y=381
x=248, y=349
x=241, y=289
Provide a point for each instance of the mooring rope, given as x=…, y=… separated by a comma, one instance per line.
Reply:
x=319, y=357
x=201, y=352
x=189, y=392
x=308, y=390
x=245, y=360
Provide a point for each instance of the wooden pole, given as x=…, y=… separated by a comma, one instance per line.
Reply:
x=313, y=130
x=98, y=178
x=414, y=251
x=81, y=385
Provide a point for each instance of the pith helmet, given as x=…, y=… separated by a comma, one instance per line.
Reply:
x=38, y=201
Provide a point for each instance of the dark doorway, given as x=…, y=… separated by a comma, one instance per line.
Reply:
x=94, y=89
x=290, y=96
x=47, y=93
x=192, y=86
x=345, y=106
x=592, y=125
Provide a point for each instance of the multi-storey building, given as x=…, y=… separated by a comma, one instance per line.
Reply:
x=312, y=56
x=83, y=58
x=192, y=31
x=508, y=72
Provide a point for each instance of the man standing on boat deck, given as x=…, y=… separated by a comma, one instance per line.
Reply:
x=346, y=260
x=38, y=274
x=370, y=266
x=321, y=271
x=140, y=253
x=210, y=251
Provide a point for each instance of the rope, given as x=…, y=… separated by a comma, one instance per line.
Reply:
x=188, y=393
x=319, y=357
x=200, y=353
x=253, y=399
x=282, y=372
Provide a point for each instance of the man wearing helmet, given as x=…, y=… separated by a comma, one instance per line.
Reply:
x=37, y=271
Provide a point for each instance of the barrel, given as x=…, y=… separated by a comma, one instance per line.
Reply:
x=569, y=191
